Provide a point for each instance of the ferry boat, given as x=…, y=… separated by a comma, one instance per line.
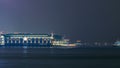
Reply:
x=117, y=43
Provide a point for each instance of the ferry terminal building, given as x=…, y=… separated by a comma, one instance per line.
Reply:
x=32, y=39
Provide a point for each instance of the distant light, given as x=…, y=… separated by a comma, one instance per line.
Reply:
x=2, y=36
x=72, y=44
x=78, y=41
x=25, y=38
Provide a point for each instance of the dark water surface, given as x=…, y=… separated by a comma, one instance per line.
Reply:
x=60, y=58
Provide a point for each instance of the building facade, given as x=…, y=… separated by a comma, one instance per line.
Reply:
x=31, y=39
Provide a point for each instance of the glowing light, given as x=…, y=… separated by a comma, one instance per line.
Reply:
x=78, y=40
x=25, y=38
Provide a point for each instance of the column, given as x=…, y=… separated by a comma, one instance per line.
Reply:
x=34, y=40
x=7, y=41
x=42, y=41
x=30, y=41
x=11, y=41
x=38, y=41
x=46, y=41
x=15, y=41
x=19, y=40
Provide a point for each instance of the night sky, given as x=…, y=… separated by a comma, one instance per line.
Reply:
x=88, y=20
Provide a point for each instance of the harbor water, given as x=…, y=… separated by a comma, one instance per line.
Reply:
x=60, y=57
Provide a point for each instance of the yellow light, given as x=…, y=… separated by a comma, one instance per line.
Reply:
x=78, y=40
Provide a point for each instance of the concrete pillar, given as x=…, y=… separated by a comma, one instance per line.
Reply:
x=11, y=41
x=19, y=40
x=15, y=41
x=38, y=40
x=23, y=41
x=31, y=41
x=7, y=41
x=46, y=41
x=27, y=41
x=42, y=41
x=50, y=41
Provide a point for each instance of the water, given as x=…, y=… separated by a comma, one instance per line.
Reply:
x=60, y=58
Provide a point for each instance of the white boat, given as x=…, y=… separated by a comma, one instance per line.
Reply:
x=117, y=43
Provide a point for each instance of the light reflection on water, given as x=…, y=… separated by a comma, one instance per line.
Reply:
x=3, y=63
x=24, y=51
x=59, y=58
x=60, y=63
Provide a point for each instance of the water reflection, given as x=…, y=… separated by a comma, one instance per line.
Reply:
x=25, y=51
x=3, y=63
x=59, y=58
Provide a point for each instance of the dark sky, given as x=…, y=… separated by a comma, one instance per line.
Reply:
x=88, y=20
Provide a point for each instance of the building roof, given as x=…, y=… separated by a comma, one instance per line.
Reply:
x=26, y=34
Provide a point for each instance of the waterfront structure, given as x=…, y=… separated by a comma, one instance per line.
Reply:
x=32, y=39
